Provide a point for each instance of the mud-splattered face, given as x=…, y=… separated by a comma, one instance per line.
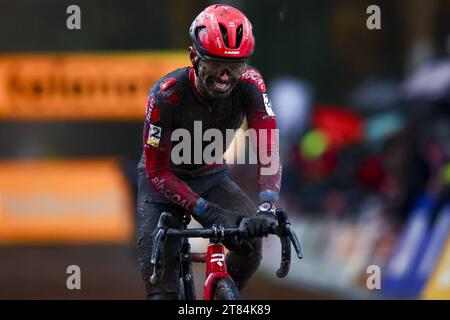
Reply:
x=217, y=79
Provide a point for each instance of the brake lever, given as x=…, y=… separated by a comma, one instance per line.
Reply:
x=156, y=244
x=286, y=231
x=155, y=252
x=294, y=239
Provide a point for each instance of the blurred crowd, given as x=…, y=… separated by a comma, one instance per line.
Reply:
x=353, y=174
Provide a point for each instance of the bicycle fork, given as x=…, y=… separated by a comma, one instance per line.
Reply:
x=186, y=271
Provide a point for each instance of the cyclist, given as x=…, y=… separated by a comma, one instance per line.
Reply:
x=219, y=90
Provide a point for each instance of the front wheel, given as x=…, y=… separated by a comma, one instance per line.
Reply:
x=226, y=290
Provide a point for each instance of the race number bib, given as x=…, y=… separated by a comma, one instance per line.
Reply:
x=154, y=135
x=268, y=105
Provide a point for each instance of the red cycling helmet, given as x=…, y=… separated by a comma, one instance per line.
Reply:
x=222, y=32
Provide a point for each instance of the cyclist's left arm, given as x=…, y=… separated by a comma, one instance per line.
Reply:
x=261, y=118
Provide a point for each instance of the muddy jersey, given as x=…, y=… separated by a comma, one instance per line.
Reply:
x=180, y=126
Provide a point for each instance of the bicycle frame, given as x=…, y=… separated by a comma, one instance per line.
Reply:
x=216, y=268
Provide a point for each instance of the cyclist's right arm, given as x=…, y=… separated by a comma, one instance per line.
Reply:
x=158, y=126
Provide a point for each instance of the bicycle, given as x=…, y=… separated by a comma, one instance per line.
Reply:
x=218, y=284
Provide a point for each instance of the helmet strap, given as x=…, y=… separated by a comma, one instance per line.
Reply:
x=195, y=65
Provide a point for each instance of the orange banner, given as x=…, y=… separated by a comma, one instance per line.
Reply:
x=81, y=86
x=64, y=201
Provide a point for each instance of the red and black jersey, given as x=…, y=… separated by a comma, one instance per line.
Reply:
x=173, y=103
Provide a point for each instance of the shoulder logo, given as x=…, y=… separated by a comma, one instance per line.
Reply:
x=251, y=75
x=168, y=91
x=167, y=83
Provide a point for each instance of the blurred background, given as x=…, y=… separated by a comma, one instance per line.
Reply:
x=365, y=143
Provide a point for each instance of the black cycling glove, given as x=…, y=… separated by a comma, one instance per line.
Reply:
x=257, y=226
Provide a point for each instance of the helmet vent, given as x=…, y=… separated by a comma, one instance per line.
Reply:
x=199, y=34
x=239, y=36
x=224, y=32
